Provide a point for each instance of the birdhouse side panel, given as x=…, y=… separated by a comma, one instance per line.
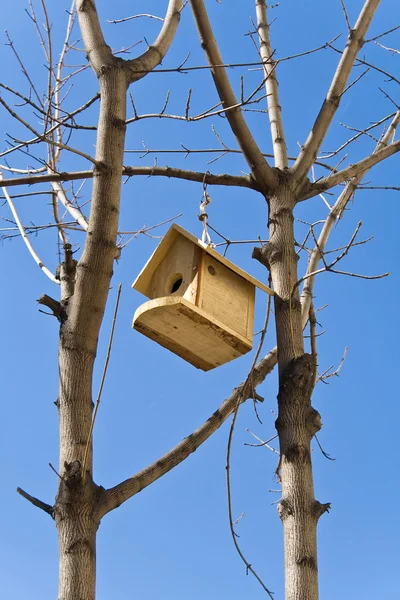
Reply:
x=177, y=274
x=227, y=296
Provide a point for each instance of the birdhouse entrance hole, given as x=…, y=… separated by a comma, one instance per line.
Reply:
x=174, y=283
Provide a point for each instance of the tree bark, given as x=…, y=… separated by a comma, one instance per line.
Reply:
x=297, y=421
x=84, y=291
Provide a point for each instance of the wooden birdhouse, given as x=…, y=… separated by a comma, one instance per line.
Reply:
x=201, y=305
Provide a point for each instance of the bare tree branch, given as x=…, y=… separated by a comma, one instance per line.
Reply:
x=73, y=210
x=224, y=150
x=271, y=86
x=360, y=132
x=98, y=52
x=56, y=127
x=23, y=69
x=262, y=172
x=204, y=114
x=170, y=172
x=140, y=66
x=355, y=40
x=36, y=502
x=352, y=171
x=115, y=496
x=24, y=236
x=328, y=268
x=334, y=214
x=54, y=103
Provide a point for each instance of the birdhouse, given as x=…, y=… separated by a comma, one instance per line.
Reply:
x=201, y=305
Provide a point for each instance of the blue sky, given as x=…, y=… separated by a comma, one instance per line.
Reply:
x=172, y=541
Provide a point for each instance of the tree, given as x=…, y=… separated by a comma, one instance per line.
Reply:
x=85, y=277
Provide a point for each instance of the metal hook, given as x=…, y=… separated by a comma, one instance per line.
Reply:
x=204, y=181
x=203, y=216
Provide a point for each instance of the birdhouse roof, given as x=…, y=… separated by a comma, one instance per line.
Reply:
x=142, y=282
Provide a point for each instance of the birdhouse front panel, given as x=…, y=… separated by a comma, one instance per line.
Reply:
x=226, y=296
x=178, y=272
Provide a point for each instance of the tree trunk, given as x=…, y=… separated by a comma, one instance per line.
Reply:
x=84, y=291
x=297, y=421
x=77, y=524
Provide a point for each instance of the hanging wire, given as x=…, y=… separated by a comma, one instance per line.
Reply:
x=203, y=216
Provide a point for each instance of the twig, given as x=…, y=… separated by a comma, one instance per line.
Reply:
x=135, y=17
x=28, y=194
x=228, y=451
x=327, y=155
x=359, y=275
x=240, y=517
x=21, y=64
x=327, y=375
x=36, y=502
x=144, y=230
x=313, y=340
x=56, y=472
x=56, y=127
x=360, y=61
x=346, y=16
x=379, y=187
x=44, y=138
x=360, y=243
x=225, y=150
x=393, y=50
x=262, y=443
x=258, y=64
x=233, y=242
x=353, y=170
x=210, y=112
x=388, y=97
x=382, y=34
x=231, y=522
x=322, y=450
x=357, y=79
